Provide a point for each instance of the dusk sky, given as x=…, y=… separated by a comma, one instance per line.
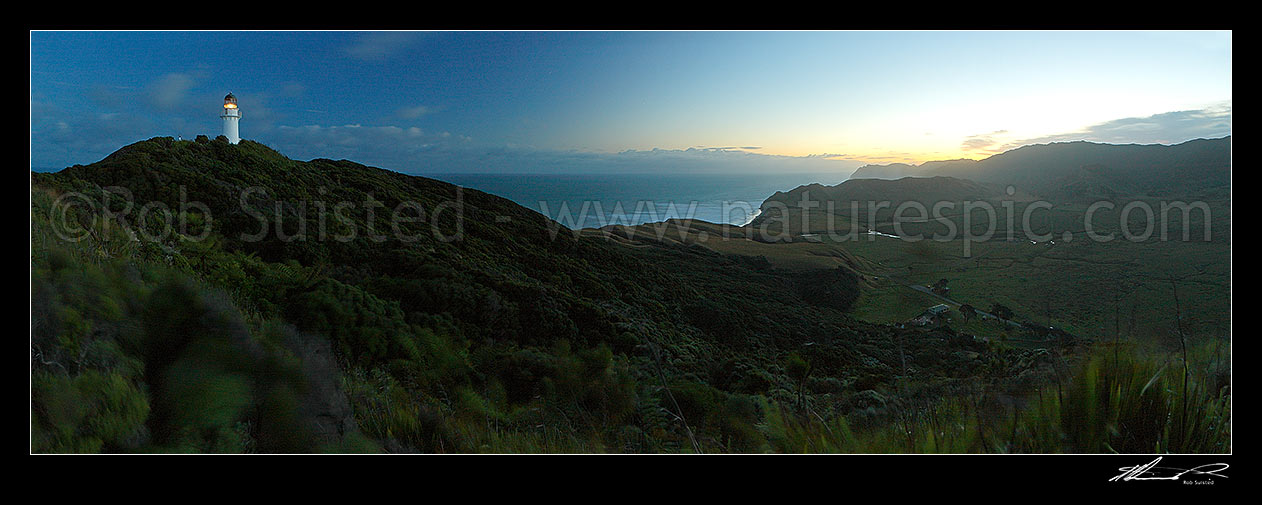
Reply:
x=537, y=102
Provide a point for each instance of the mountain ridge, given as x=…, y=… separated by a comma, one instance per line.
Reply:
x=1152, y=169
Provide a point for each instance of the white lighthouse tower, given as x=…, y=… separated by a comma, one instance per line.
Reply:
x=231, y=115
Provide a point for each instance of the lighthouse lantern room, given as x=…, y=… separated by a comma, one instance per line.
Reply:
x=231, y=115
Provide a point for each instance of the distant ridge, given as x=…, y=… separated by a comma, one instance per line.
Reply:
x=900, y=170
x=925, y=190
x=1086, y=169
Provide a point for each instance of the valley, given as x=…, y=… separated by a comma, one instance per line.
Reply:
x=1074, y=264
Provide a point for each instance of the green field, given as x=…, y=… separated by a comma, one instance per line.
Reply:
x=1089, y=289
x=1097, y=290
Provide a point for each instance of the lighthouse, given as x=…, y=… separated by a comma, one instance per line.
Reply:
x=231, y=115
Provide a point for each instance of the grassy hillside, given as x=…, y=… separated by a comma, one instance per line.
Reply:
x=1086, y=264
x=490, y=329
x=859, y=205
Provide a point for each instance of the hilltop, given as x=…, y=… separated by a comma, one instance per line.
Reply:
x=857, y=205
x=901, y=170
x=1074, y=170
x=925, y=190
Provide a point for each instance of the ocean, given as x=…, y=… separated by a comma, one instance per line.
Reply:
x=593, y=201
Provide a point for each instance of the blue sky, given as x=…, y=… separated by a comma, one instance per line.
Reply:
x=627, y=101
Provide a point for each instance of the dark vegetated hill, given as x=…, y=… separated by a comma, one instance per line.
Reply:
x=517, y=323
x=926, y=190
x=900, y=170
x=869, y=203
x=1077, y=170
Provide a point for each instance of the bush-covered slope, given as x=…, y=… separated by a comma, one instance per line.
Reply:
x=287, y=311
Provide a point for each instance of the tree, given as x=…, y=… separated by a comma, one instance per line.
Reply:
x=798, y=369
x=968, y=311
x=1000, y=311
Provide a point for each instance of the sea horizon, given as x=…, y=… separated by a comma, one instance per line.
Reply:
x=598, y=200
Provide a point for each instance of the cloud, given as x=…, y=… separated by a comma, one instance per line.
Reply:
x=60, y=138
x=383, y=145
x=109, y=117
x=730, y=148
x=1165, y=128
x=256, y=109
x=109, y=97
x=413, y=112
x=379, y=46
x=170, y=90
x=985, y=142
x=293, y=89
x=414, y=150
x=828, y=155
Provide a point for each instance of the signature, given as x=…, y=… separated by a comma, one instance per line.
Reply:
x=1151, y=471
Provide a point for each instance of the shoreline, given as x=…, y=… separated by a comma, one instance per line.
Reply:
x=757, y=212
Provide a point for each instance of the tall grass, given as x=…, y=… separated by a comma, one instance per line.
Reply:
x=1137, y=404
x=1133, y=403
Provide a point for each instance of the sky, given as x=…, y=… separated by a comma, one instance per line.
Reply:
x=594, y=102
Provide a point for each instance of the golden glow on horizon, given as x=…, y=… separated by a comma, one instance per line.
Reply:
x=914, y=152
x=946, y=133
